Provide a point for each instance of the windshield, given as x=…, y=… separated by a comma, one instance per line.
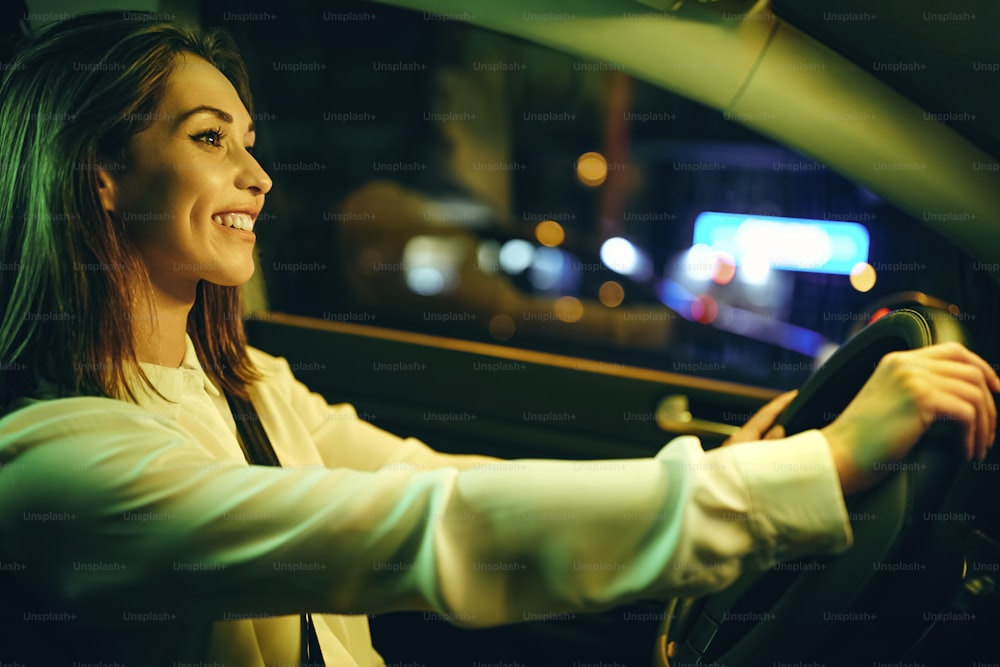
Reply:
x=458, y=181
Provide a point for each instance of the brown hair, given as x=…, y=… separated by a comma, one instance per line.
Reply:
x=70, y=102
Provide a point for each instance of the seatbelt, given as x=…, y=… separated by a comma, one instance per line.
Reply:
x=258, y=451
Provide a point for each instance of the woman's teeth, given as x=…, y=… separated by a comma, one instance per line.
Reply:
x=237, y=220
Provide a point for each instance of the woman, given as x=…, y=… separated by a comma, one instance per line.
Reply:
x=133, y=530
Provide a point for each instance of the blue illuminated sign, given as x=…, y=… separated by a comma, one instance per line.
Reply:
x=793, y=244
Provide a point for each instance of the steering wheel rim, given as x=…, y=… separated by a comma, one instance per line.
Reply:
x=817, y=608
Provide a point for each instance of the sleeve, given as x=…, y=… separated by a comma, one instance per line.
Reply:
x=344, y=439
x=111, y=510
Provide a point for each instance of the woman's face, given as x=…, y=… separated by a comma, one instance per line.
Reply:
x=191, y=190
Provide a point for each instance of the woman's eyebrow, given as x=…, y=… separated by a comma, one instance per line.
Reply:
x=224, y=116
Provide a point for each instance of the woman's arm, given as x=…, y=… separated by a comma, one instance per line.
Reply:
x=114, y=511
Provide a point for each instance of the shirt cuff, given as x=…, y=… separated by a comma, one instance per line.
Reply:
x=796, y=502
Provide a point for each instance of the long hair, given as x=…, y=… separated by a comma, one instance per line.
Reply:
x=70, y=278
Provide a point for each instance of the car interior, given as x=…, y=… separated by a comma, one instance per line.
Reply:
x=577, y=230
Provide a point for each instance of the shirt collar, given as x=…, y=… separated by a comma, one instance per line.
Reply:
x=170, y=381
x=191, y=363
x=190, y=359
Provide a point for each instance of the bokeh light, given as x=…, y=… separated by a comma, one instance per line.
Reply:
x=611, y=294
x=488, y=256
x=591, y=169
x=725, y=268
x=516, y=255
x=432, y=265
x=568, y=308
x=879, y=314
x=863, y=276
x=704, y=309
x=550, y=233
x=700, y=262
x=624, y=257
x=502, y=327
x=548, y=267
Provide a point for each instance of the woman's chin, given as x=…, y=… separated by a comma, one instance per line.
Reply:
x=232, y=278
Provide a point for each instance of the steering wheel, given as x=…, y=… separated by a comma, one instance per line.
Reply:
x=873, y=601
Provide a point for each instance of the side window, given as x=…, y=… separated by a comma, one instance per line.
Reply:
x=461, y=182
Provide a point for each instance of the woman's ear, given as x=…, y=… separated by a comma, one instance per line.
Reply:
x=106, y=189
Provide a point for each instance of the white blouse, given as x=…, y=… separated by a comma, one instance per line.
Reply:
x=140, y=534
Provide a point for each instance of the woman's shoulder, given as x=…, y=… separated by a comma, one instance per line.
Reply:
x=271, y=367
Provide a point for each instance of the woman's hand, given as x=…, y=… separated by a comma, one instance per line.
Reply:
x=763, y=422
x=907, y=393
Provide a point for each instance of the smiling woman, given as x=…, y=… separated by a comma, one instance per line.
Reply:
x=192, y=167
x=171, y=495
x=119, y=171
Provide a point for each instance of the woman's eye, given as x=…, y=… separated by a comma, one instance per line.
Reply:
x=210, y=137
